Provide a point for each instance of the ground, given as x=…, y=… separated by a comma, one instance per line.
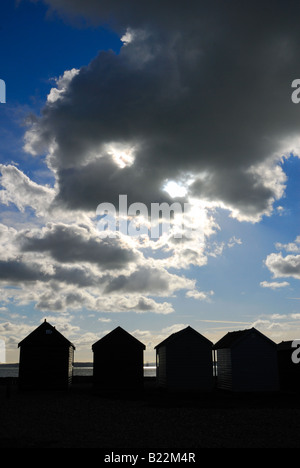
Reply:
x=83, y=418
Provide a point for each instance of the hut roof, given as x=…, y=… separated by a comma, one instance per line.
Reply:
x=180, y=333
x=231, y=339
x=286, y=345
x=45, y=334
x=116, y=335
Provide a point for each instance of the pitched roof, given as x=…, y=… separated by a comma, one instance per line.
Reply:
x=285, y=345
x=232, y=338
x=117, y=334
x=45, y=334
x=180, y=333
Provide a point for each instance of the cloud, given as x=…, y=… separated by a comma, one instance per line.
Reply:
x=274, y=284
x=291, y=246
x=61, y=85
x=146, y=304
x=28, y=193
x=154, y=281
x=283, y=267
x=8, y=249
x=196, y=91
x=61, y=294
x=70, y=267
x=78, y=244
x=279, y=327
x=133, y=303
x=16, y=271
x=280, y=266
x=200, y=295
x=13, y=333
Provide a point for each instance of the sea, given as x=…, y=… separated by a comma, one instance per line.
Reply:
x=79, y=369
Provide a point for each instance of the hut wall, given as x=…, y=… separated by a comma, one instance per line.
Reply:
x=254, y=364
x=289, y=372
x=187, y=364
x=70, y=364
x=224, y=369
x=161, y=362
x=43, y=367
x=118, y=366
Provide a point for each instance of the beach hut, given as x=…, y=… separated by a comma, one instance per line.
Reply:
x=46, y=359
x=184, y=361
x=289, y=366
x=118, y=361
x=246, y=362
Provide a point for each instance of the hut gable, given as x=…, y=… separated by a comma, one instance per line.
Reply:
x=184, y=361
x=118, y=361
x=182, y=335
x=116, y=337
x=247, y=361
x=233, y=338
x=46, y=359
x=45, y=335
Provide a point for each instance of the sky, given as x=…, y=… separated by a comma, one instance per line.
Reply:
x=168, y=104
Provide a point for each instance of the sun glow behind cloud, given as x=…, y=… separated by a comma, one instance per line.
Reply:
x=175, y=189
x=122, y=154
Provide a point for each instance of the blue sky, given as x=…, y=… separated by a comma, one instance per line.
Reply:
x=110, y=100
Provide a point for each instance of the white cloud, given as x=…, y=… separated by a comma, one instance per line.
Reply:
x=279, y=327
x=200, y=295
x=61, y=86
x=27, y=194
x=281, y=267
x=280, y=316
x=293, y=247
x=274, y=284
x=8, y=248
x=233, y=241
x=128, y=36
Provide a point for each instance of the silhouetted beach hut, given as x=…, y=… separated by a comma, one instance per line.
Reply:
x=289, y=371
x=46, y=359
x=118, y=361
x=184, y=361
x=247, y=361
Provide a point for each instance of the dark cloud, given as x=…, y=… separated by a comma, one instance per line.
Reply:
x=150, y=280
x=76, y=244
x=22, y=271
x=76, y=275
x=203, y=90
x=241, y=190
x=116, y=13
x=101, y=181
x=17, y=271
